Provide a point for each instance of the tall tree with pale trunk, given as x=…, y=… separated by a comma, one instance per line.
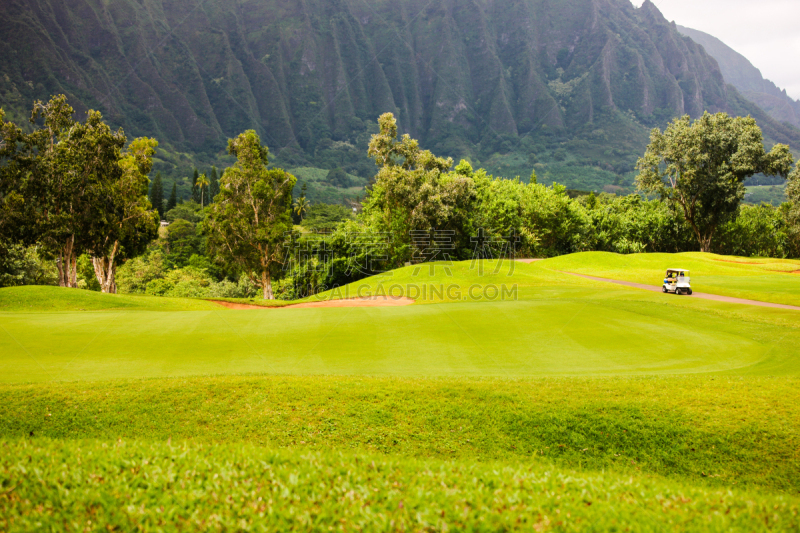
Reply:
x=70, y=182
x=250, y=220
x=202, y=184
x=135, y=221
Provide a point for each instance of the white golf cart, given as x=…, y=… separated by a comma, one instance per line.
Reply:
x=677, y=281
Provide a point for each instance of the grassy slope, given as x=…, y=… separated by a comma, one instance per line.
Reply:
x=771, y=194
x=54, y=299
x=768, y=280
x=703, y=430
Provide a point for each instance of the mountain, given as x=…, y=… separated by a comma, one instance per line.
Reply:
x=569, y=87
x=740, y=72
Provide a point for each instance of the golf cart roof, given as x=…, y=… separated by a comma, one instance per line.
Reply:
x=677, y=270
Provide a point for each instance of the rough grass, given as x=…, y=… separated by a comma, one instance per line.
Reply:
x=710, y=431
x=159, y=486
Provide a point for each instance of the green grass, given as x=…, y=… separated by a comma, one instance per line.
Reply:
x=640, y=454
x=158, y=486
x=568, y=331
x=553, y=324
x=562, y=404
x=33, y=299
x=764, y=279
x=714, y=431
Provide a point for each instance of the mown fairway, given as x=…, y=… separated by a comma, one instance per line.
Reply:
x=573, y=405
x=767, y=280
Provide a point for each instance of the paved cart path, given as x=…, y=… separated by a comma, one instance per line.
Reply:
x=702, y=296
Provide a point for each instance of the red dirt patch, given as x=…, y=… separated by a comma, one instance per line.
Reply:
x=370, y=301
x=738, y=262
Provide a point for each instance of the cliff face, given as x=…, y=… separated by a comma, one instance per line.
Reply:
x=461, y=75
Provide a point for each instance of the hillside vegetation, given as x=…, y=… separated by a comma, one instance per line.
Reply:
x=572, y=87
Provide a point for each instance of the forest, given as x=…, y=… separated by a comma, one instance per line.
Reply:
x=79, y=210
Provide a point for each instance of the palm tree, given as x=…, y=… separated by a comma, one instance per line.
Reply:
x=202, y=182
x=301, y=205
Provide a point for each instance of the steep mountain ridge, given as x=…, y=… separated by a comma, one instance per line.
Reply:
x=512, y=83
x=742, y=74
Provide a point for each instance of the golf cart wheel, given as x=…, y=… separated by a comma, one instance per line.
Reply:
x=690, y=292
x=663, y=289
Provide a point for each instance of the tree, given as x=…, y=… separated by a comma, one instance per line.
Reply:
x=195, y=189
x=157, y=195
x=338, y=178
x=69, y=182
x=135, y=222
x=16, y=161
x=202, y=184
x=414, y=194
x=173, y=199
x=699, y=168
x=213, y=187
x=301, y=205
x=249, y=223
x=792, y=211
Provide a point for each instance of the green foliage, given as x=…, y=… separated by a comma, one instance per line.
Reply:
x=632, y=225
x=757, y=231
x=24, y=265
x=213, y=185
x=173, y=199
x=700, y=167
x=157, y=195
x=68, y=187
x=249, y=222
x=325, y=217
x=301, y=207
x=414, y=199
x=319, y=190
x=183, y=242
x=338, y=178
x=195, y=188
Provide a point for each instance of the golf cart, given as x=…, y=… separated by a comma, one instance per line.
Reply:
x=677, y=281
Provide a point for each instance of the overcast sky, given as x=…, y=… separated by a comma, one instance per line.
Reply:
x=767, y=32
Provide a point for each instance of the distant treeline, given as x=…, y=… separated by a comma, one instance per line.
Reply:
x=247, y=233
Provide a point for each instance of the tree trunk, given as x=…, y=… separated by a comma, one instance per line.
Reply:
x=67, y=263
x=266, y=283
x=105, y=270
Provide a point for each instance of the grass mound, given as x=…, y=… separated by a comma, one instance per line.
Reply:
x=36, y=299
x=150, y=486
x=701, y=430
